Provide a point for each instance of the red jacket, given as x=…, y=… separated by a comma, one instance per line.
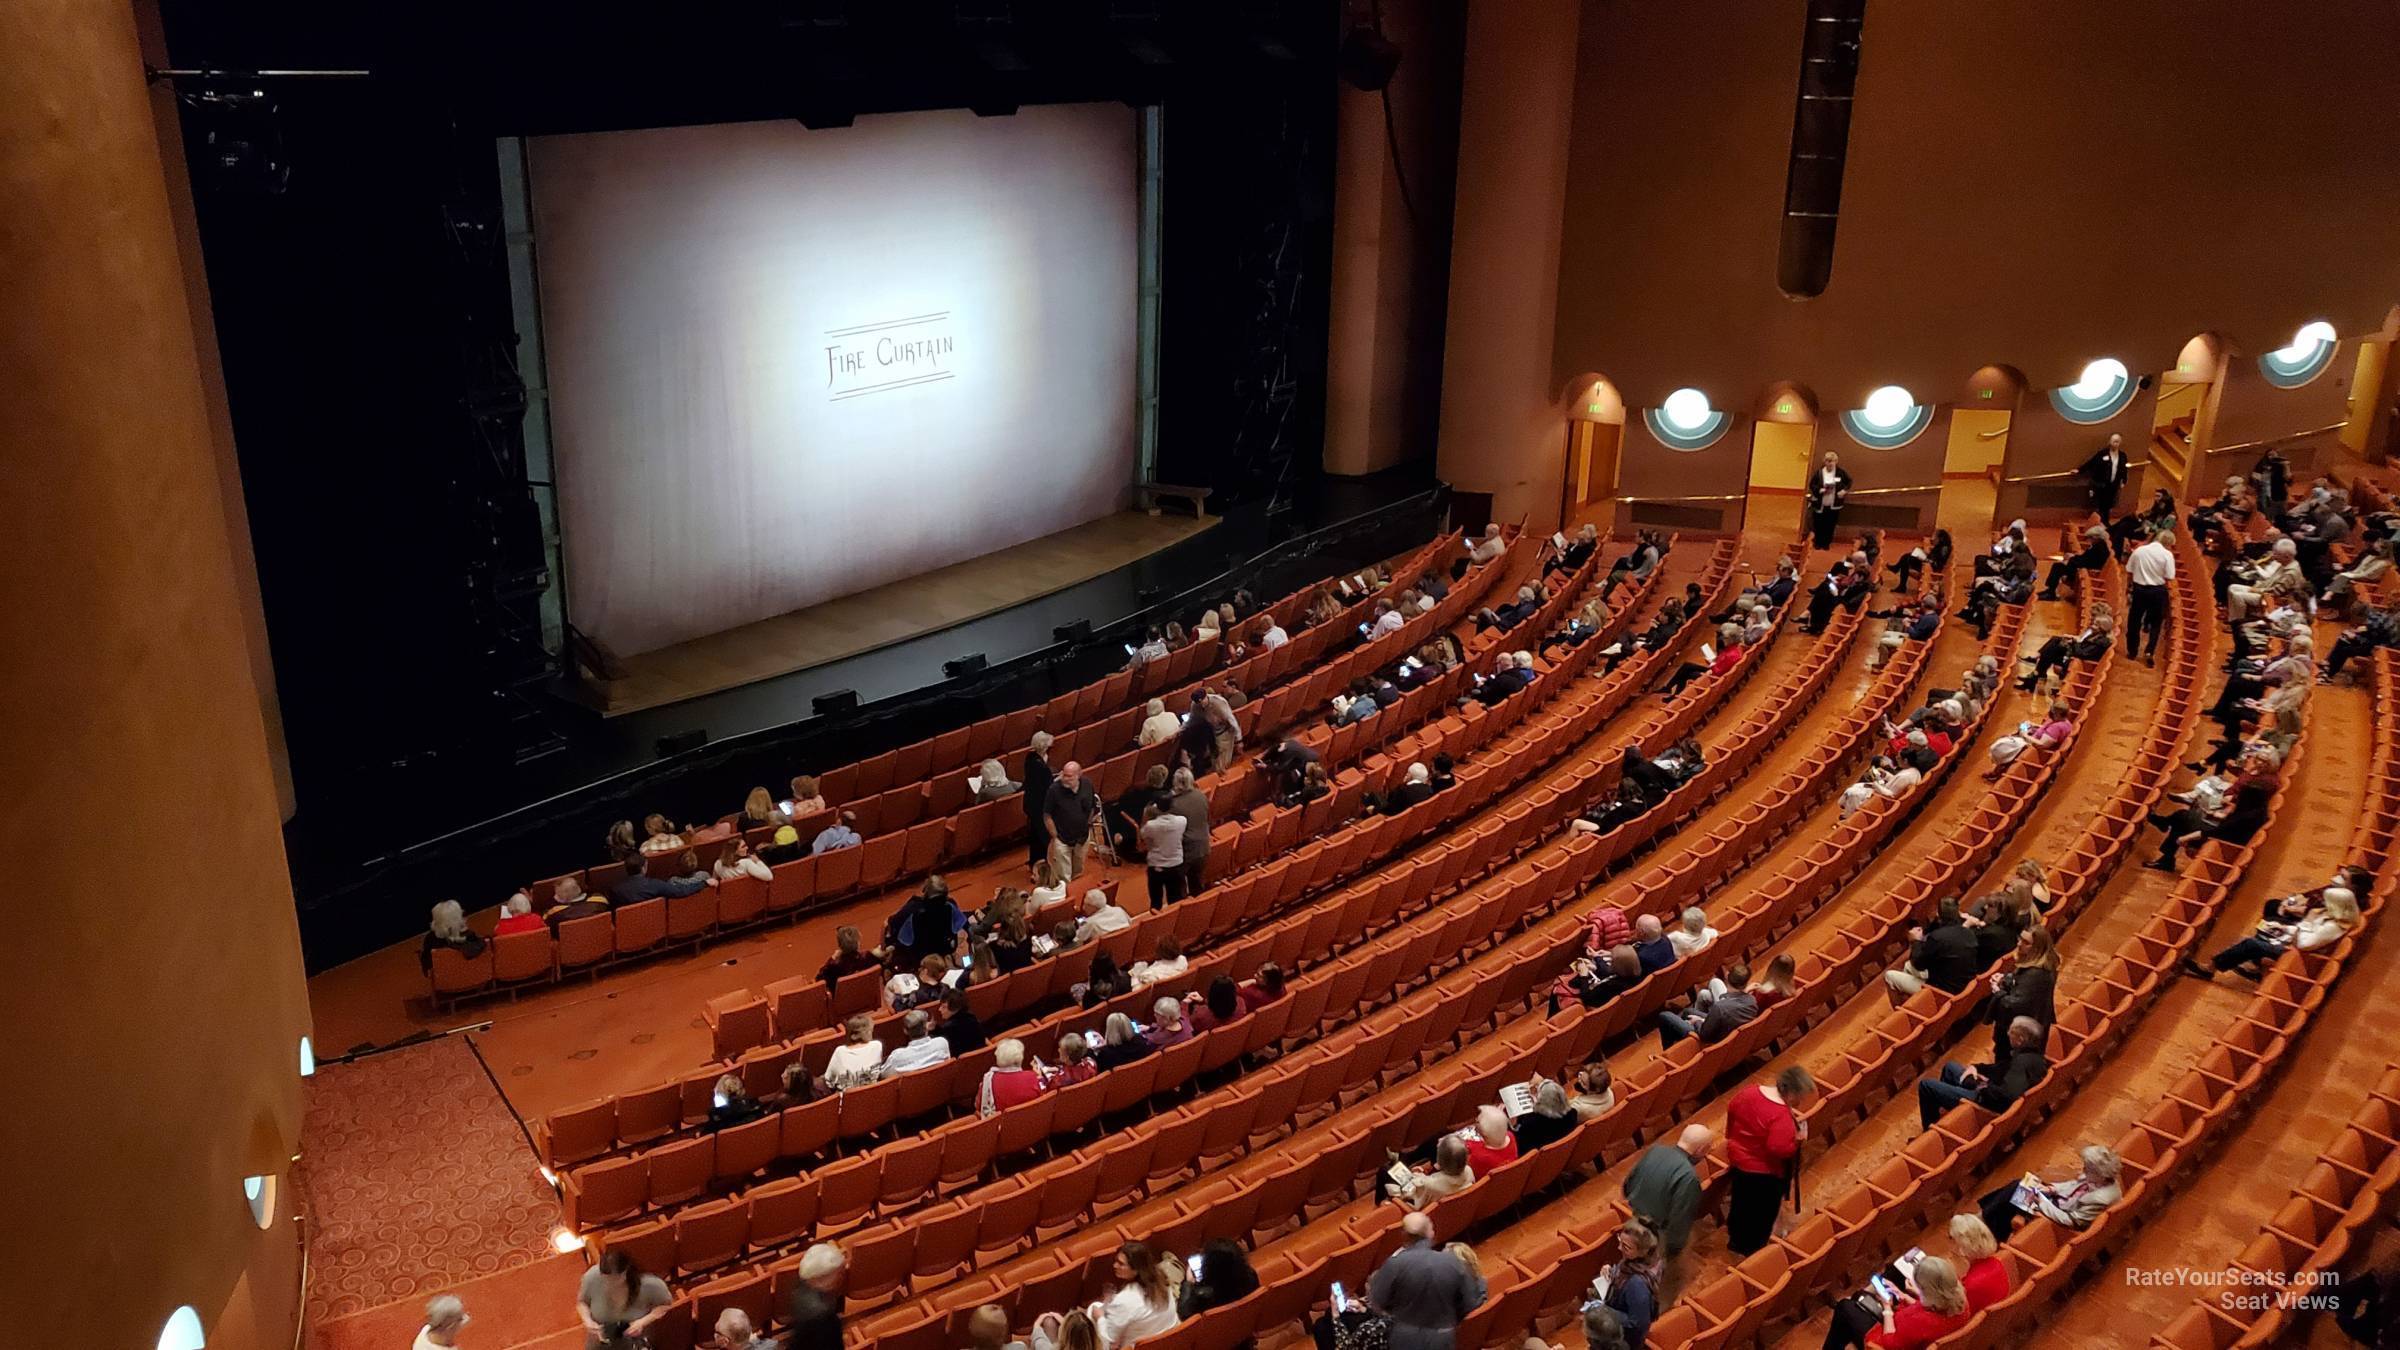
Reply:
x=1915, y=1326
x=1728, y=656
x=1483, y=1157
x=1986, y=1283
x=1759, y=1133
x=518, y=923
x=1604, y=928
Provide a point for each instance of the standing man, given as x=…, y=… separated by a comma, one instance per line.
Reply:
x=817, y=1301
x=2104, y=476
x=1663, y=1190
x=1067, y=810
x=1828, y=493
x=2148, y=572
x=1424, y=1291
x=1763, y=1131
x=1191, y=803
x=1036, y=777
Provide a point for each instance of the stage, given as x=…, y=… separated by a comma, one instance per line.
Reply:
x=888, y=614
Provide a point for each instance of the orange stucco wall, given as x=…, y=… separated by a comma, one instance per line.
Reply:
x=155, y=1002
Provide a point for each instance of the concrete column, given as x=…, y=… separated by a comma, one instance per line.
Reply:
x=1503, y=430
x=156, y=1003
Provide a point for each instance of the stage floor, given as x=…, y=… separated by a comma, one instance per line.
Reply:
x=894, y=612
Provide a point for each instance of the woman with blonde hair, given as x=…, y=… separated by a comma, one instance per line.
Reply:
x=858, y=1056
x=1934, y=1306
x=759, y=811
x=1985, y=1278
x=2028, y=990
x=2036, y=881
x=2335, y=916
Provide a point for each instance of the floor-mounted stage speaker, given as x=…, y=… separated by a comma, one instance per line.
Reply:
x=671, y=746
x=1078, y=631
x=970, y=664
x=836, y=703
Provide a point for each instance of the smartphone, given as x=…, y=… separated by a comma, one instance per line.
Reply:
x=1883, y=1289
x=1341, y=1301
x=1192, y=1264
x=1129, y=649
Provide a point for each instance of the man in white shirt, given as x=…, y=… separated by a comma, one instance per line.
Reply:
x=1101, y=916
x=2279, y=573
x=1273, y=637
x=1491, y=547
x=1387, y=619
x=923, y=1047
x=1158, y=724
x=2149, y=570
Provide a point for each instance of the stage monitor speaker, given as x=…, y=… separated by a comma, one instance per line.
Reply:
x=970, y=664
x=670, y=746
x=836, y=703
x=1078, y=631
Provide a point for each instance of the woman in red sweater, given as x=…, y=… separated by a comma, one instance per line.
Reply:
x=1763, y=1131
x=1860, y=1321
x=1008, y=1082
x=1939, y=1308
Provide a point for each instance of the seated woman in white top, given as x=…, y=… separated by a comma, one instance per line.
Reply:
x=855, y=1061
x=1693, y=934
x=1169, y=963
x=738, y=861
x=1142, y=1306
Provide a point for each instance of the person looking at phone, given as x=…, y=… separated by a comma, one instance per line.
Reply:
x=1929, y=1304
x=1423, y=1291
x=1220, y=1274
x=617, y=1302
x=1877, y=1316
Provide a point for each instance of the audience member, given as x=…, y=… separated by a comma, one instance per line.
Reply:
x=1191, y=803
x=445, y=1317
x=1037, y=777
x=1167, y=962
x=1120, y=1043
x=2070, y=1203
x=1942, y=954
x=816, y=1312
x=1763, y=1134
x=1067, y=814
x=2334, y=917
x=1995, y=1086
x=1162, y=854
x=738, y=861
x=920, y=1047
x=957, y=1025
x=840, y=834
x=638, y=884
x=1664, y=1190
x=1424, y=1291
x=1008, y=1082
x=1712, y=1017
x=1634, y=1282
x=1101, y=916
x=618, y=1301
x=1651, y=945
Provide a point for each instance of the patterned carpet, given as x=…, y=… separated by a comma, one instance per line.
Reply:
x=417, y=1179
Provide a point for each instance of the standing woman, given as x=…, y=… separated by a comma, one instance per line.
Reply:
x=617, y=1302
x=1763, y=1131
x=1828, y=493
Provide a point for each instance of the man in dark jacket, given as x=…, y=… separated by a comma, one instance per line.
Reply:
x=1943, y=954
x=817, y=1300
x=1995, y=1087
x=2104, y=476
x=1423, y=1291
x=1191, y=803
x=637, y=884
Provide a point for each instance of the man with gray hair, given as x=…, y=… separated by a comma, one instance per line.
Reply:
x=1423, y=1290
x=1101, y=917
x=445, y=1317
x=2071, y=1203
x=734, y=1332
x=817, y=1299
x=1996, y=1086
x=1191, y=803
x=923, y=1048
x=1036, y=776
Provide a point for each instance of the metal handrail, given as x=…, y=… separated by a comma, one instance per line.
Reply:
x=2275, y=440
x=2130, y=466
x=1696, y=497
